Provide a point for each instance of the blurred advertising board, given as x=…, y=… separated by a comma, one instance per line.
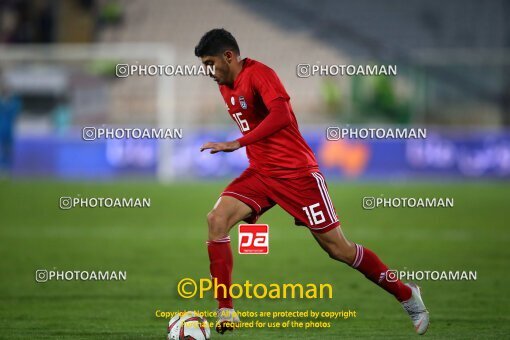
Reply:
x=442, y=155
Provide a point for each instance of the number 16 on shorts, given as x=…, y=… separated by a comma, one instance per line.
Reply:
x=253, y=239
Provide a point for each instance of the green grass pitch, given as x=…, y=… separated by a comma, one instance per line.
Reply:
x=158, y=246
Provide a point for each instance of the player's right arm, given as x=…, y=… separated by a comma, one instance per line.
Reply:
x=268, y=86
x=279, y=117
x=221, y=146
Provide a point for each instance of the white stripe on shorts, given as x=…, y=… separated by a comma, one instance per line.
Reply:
x=325, y=196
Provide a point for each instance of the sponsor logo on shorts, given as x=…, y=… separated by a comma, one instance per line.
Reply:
x=253, y=239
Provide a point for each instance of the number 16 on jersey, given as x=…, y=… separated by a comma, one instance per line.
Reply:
x=243, y=123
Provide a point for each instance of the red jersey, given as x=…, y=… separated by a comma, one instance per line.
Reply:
x=284, y=154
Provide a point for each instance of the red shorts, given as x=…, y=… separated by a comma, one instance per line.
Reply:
x=305, y=198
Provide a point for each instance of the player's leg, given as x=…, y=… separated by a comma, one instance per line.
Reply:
x=362, y=259
x=226, y=213
x=365, y=261
x=243, y=199
x=307, y=199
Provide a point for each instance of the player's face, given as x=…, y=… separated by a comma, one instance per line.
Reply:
x=222, y=72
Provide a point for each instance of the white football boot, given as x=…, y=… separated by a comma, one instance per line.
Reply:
x=227, y=320
x=416, y=309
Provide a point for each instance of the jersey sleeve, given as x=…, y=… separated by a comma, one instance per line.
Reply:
x=278, y=118
x=267, y=85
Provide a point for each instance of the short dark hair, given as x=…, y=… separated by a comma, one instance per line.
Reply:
x=215, y=42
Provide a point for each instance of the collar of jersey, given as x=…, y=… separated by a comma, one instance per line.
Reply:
x=247, y=61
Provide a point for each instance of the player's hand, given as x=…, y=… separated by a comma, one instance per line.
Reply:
x=221, y=146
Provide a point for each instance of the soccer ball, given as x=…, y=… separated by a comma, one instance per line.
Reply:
x=188, y=326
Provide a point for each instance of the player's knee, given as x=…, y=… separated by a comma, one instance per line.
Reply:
x=214, y=219
x=217, y=223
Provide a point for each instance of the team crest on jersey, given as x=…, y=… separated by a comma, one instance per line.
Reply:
x=243, y=102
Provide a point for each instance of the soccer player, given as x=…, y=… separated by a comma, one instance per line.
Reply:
x=282, y=171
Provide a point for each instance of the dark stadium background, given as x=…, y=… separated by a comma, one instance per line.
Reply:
x=57, y=76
